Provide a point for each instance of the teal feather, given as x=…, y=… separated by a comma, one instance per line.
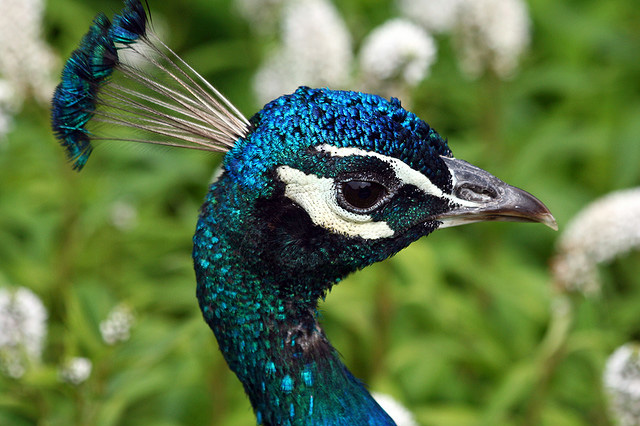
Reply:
x=89, y=68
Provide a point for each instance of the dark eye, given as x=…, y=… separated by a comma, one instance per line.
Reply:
x=362, y=195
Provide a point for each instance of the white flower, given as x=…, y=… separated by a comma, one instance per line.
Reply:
x=262, y=14
x=435, y=15
x=76, y=370
x=26, y=63
x=492, y=34
x=8, y=107
x=123, y=215
x=22, y=329
x=622, y=383
x=316, y=51
x=117, y=326
x=398, y=49
x=400, y=415
x=25, y=60
x=599, y=233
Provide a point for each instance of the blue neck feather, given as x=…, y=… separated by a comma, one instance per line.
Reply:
x=266, y=324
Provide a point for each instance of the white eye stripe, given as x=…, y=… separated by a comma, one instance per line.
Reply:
x=317, y=196
x=402, y=170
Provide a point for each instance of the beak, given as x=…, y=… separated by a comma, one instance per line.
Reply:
x=484, y=197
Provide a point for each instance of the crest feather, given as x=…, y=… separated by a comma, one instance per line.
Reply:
x=171, y=100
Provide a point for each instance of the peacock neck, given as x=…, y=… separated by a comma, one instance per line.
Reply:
x=267, y=329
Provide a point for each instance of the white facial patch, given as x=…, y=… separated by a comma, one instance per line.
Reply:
x=403, y=171
x=317, y=196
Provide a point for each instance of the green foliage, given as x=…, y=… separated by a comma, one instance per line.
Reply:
x=463, y=327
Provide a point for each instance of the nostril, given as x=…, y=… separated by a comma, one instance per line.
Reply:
x=472, y=192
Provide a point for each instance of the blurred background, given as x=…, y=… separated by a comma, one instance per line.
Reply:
x=492, y=323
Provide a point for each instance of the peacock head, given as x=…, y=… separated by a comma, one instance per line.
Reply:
x=334, y=181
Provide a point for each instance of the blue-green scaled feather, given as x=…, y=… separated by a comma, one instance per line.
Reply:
x=89, y=68
x=130, y=24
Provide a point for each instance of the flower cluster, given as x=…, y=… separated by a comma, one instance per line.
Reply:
x=262, y=14
x=397, y=50
x=23, y=320
x=315, y=51
x=76, y=370
x=492, y=35
x=622, y=383
x=436, y=16
x=124, y=215
x=316, y=46
x=117, y=326
x=599, y=233
x=23, y=326
x=26, y=62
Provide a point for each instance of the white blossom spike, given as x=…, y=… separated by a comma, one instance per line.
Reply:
x=492, y=35
x=22, y=330
x=398, y=50
x=598, y=234
x=26, y=62
x=316, y=51
x=436, y=16
x=622, y=383
x=117, y=326
x=262, y=14
x=76, y=370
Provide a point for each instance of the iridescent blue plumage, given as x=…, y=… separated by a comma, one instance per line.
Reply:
x=320, y=183
x=89, y=68
x=130, y=24
x=339, y=118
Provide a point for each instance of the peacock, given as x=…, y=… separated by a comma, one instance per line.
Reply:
x=318, y=184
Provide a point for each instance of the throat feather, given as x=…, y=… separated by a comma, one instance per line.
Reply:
x=269, y=334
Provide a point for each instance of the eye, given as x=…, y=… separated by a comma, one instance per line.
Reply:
x=361, y=195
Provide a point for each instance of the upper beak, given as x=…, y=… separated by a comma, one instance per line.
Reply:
x=485, y=197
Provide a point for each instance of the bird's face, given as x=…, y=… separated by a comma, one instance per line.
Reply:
x=351, y=179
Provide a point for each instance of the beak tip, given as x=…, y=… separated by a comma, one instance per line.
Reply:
x=549, y=220
x=532, y=209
